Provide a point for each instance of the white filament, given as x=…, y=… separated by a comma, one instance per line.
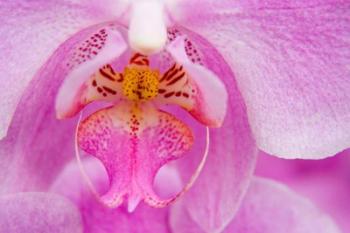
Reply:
x=194, y=176
x=83, y=173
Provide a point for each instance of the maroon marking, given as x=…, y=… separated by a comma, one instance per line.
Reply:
x=146, y=61
x=172, y=74
x=186, y=95
x=161, y=91
x=138, y=93
x=121, y=77
x=94, y=83
x=140, y=63
x=113, y=92
x=170, y=94
x=110, y=69
x=99, y=89
x=176, y=79
x=165, y=75
x=106, y=75
x=139, y=59
x=178, y=93
x=137, y=55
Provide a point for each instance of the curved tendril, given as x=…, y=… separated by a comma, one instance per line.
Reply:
x=159, y=204
x=201, y=164
x=193, y=178
x=83, y=173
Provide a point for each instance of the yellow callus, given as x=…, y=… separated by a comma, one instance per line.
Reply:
x=140, y=83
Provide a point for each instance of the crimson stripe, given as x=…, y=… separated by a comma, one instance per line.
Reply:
x=121, y=77
x=166, y=73
x=172, y=74
x=169, y=94
x=109, y=90
x=140, y=63
x=111, y=69
x=137, y=55
x=106, y=75
x=176, y=79
x=138, y=59
x=146, y=61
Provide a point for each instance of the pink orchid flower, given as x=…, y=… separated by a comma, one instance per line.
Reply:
x=264, y=73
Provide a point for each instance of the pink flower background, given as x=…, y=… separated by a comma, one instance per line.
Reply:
x=285, y=66
x=325, y=182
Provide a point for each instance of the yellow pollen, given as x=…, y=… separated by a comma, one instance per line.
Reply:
x=140, y=83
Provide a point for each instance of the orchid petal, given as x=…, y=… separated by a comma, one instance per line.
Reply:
x=29, y=34
x=196, y=88
x=38, y=212
x=38, y=145
x=216, y=195
x=274, y=208
x=291, y=61
x=133, y=144
x=98, y=50
x=267, y=207
x=96, y=217
x=325, y=182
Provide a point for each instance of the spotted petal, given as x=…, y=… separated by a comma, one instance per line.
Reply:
x=291, y=61
x=193, y=87
x=35, y=131
x=83, y=84
x=31, y=31
x=133, y=143
x=215, y=197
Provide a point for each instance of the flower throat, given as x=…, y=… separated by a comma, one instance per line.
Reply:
x=140, y=82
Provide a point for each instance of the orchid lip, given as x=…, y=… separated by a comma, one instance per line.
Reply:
x=134, y=200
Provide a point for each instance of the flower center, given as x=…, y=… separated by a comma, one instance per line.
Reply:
x=140, y=83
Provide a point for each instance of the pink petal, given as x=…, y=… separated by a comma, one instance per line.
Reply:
x=96, y=217
x=38, y=212
x=267, y=207
x=210, y=103
x=213, y=200
x=291, y=61
x=272, y=207
x=325, y=182
x=133, y=145
x=86, y=64
x=31, y=31
x=37, y=144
